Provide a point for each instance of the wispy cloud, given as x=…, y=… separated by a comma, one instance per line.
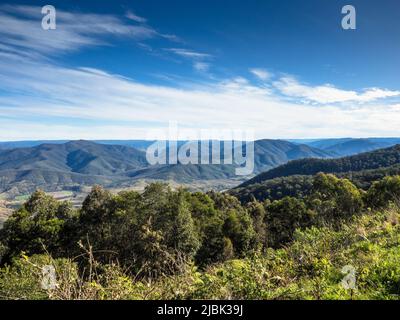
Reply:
x=188, y=53
x=20, y=28
x=40, y=99
x=93, y=104
x=262, y=74
x=132, y=16
x=197, y=58
x=327, y=93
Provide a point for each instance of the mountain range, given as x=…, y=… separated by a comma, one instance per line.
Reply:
x=335, y=147
x=70, y=165
x=56, y=166
x=349, y=146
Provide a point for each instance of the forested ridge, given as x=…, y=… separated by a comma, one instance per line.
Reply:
x=300, y=185
x=56, y=166
x=295, y=178
x=174, y=244
x=364, y=161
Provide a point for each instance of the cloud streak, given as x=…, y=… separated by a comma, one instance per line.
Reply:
x=132, y=16
x=290, y=87
x=188, y=53
x=43, y=100
x=21, y=29
x=261, y=74
x=95, y=104
x=197, y=58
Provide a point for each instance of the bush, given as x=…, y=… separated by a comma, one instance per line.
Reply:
x=35, y=227
x=334, y=199
x=283, y=217
x=382, y=192
x=172, y=244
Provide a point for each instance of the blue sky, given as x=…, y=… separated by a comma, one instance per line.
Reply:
x=117, y=69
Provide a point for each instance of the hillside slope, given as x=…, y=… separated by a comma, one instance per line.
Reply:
x=355, y=146
x=350, y=146
x=272, y=153
x=56, y=166
x=364, y=161
x=76, y=163
x=76, y=156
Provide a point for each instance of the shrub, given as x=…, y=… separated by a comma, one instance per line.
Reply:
x=382, y=192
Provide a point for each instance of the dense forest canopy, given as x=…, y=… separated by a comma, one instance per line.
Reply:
x=364, y=161
x=295, y=178
x=187, y=245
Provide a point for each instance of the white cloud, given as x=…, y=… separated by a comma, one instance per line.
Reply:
x=47, y=101
x=188, y=53
x=20, y=28
x=262, y=74
x=196, y=57
x=132, y=16
x=289, y=86
x=171, y=37
x=93, y=104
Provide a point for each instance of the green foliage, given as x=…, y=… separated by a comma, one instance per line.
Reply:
x=258, y=216
x=384, y=191
x=145, y=231
x=364, y=161
x=294, y=179
x=213, y=242
x=237, y=225
x=311, y=267
x=173, y=244
x=239, y=230
x=284, y=217
x=3, y=251
x=35, y=227
x=95, y=222
x=275, y=189
x=333, y=198
x=23, y=278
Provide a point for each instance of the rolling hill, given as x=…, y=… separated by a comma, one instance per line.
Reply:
x=364, y=161
x=271, y=153
x=349, y=146
x=56, y=166
x=76, y=156
x=295, y=177
x=137, y=144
